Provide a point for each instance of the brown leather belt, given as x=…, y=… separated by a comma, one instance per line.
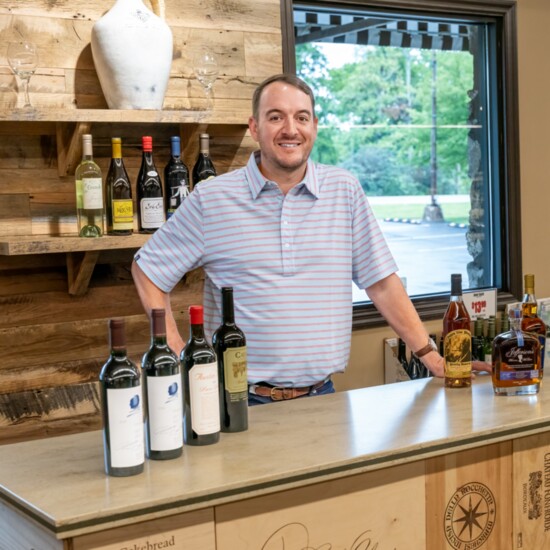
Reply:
x=278, y=393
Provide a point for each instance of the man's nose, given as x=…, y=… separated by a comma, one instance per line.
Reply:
x=290, y=126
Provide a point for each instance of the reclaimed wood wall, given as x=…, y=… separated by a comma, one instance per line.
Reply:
x=52, y=343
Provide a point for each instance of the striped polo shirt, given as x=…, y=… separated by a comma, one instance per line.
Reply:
x=289, y=258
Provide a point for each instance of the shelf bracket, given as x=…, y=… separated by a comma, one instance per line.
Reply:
x=80, y=266
x=69, y=145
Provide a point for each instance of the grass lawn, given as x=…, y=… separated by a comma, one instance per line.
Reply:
x=452, y=212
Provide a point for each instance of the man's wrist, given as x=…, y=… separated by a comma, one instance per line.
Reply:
x=428, y=348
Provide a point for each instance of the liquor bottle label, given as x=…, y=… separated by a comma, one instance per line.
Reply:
x=165, y=412
x=458, y=354
x=205, y=398
x=92, y=193
x=123, y=214
x=125, y=427
x=152, y=212
x=235, y=371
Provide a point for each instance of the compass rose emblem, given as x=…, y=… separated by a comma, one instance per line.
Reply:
x=470, y=516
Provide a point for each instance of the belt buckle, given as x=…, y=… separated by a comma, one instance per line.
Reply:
x=273, y=395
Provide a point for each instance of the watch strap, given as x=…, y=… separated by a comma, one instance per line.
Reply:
x=430, y=346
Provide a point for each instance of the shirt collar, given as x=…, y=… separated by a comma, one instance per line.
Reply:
x=257, y=181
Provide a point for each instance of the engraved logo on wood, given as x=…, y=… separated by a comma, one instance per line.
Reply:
x=470, y=516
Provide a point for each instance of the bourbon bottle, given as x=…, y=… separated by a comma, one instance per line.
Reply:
x=457, y=339
x=531, y=322
x=516, y=360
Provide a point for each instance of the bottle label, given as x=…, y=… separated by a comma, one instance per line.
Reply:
x=123, y=214
x=152, y=212
x=235, y=370
x=165, y=412
x=458, y=354
x=205, y=398
x=92, y=194
x=125, y=416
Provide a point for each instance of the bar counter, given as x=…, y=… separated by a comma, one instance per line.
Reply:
x=401, y=466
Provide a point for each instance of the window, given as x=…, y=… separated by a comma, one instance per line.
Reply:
x=420, y=105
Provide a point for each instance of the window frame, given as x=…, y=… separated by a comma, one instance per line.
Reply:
x=503, y=12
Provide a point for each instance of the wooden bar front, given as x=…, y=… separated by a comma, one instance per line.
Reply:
x=409, y=465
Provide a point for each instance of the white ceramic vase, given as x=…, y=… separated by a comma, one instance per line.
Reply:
x=132, y=51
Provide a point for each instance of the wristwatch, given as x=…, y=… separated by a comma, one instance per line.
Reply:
x=430, y=346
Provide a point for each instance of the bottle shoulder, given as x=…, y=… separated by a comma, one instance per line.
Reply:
x=159, y=358
x=119, y=368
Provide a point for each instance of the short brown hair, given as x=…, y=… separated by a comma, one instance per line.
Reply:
x=287, y=78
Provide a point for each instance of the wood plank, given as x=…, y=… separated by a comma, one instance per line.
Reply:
x=469, y=499
x=49, y=245
x=531, y=492
x=238, y=14
x=80, y=267
x=190, y=530
x=363, y=511
x=15, y=214
x=263, y=54
x=69, y=145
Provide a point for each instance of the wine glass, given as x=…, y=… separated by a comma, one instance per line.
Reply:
x=23, y=60
x=205, y=67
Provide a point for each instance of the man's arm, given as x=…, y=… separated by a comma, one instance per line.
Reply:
x=153, y=297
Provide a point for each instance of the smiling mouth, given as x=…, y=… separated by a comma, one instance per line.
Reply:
x=289, y=145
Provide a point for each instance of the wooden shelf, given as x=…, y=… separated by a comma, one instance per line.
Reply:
x=81, y=253
x=138, y=116
x=43, y=244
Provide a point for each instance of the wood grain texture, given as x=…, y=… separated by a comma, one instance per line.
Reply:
x=62, y=337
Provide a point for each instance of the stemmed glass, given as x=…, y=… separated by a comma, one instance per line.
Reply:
x=23, y=60
x=205, y=66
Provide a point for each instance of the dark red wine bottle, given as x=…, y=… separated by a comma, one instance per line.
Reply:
x=230, y=346
x=204, y=168
x=162, y=385
x=121, y=406
x=201, y=403
x=176, y=178
x=150, y=204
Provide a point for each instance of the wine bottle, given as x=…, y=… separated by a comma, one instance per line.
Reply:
x=402, y=356
x=90, y=209
x=121, y=406
x=488, y=341
x=201, y=404
x=530, y=321
x=176, y=178
x=120, y=210
x=203, y=169
x=457, y=346
x=149, y=191
x=230, y=346
x=163, y=395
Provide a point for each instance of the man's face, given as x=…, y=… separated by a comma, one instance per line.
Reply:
x=286, y=129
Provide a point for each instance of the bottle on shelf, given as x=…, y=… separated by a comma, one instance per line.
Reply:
x=204, y=168
x=176, y=178
x=162, y=387
x=119, y=206
x=516, y=360
x=201, y=403
x=229, y=344
x=531, y=322
x=488, y=343
x=402, y=356
x=457, y=345
x=150, y=202
x=121, y=406
x=478, y=340
x=90, y=209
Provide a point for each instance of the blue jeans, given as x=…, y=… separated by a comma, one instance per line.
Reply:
x=327, y=387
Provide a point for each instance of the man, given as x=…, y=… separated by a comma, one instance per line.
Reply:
x=289, y=236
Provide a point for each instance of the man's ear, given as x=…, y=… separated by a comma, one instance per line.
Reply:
x=253, y=127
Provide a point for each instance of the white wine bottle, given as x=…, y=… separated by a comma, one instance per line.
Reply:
x=90, y=206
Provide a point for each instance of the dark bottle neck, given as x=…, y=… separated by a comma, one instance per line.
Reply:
x=197, y=332
x=158, y=327
x=228, y=310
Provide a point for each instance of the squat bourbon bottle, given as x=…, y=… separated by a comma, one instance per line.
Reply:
x=457, y=339
x=516, y=360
